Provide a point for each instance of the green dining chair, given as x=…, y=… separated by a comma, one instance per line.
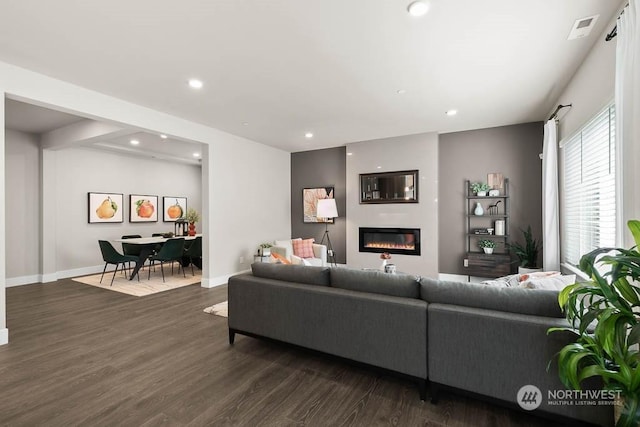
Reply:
x=194, y=251
x=111, y=256
x=130, y=248
x=171, y=251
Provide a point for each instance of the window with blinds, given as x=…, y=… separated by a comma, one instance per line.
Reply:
x=589, y=193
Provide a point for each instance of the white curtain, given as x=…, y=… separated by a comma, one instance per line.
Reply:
x=628, y=117
x=550, y=215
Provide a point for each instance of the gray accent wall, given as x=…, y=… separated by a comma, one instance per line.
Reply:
x=510, y=150
x=320, y=168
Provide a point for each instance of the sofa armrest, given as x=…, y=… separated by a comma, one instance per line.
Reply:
x=320, y=251
x=282, y=251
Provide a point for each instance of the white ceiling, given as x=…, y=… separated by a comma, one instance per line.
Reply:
x=30, y=118
x=332, y=67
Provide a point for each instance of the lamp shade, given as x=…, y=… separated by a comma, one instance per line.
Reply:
x=327, y=208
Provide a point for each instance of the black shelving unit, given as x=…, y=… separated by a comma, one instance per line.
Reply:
x=477, y=262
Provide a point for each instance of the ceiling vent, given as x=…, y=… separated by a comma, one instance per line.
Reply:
x=582, y=27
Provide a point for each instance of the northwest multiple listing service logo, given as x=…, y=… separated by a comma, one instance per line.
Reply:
x=530, y=397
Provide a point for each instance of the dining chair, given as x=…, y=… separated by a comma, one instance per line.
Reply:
x=129, y=248
x=172, y=250
x=111, y=256
x=193, y=251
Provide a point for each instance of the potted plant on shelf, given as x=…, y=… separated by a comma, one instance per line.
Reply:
x=528, y=253
x=480, y=188
x=264, y=249
x=603, y=315
x=192, y=217
x=487, y=245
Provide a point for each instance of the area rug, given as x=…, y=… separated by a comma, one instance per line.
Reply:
x=220, y=309
x=143, y=287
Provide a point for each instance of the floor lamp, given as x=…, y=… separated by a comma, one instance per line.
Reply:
x=328, y=210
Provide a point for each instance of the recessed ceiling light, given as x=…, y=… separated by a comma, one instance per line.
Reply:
x=349, y=154
x=134, y=142
x=308, y=135
x=379, y=167
x=196, y=154
x=418, y=8
x=451, y=112
x=195, y=83
x=163, y=136
x=401, y=91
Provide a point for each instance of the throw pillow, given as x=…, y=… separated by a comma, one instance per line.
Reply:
x=303, y=248
x=285, y=244
x=277, y=258
x=554, y=283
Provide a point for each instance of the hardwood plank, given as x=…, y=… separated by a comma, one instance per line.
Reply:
x=81, y=355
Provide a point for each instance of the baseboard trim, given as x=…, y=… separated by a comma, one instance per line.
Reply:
x=212, y=282
x=52, y=277
x=24, y=280
x=4, y=336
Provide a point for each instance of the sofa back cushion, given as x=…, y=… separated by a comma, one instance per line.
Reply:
x=377, y=282
x=514, y=300
x=292, y=273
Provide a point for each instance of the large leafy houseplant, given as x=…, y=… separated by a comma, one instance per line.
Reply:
x=604, y=313
x=527, y=253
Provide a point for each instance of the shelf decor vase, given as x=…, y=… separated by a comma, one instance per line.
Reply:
x=192, y=229
x=384, y=265
x=488, y=251
x=478, y=211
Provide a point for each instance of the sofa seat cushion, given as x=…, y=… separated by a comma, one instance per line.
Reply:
x=377, y=282
x=292, y=273
x=514, y=300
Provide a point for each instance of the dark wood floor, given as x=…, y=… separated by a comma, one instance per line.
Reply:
x=80, y=355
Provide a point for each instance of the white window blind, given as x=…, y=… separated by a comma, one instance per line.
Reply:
x=589, y=192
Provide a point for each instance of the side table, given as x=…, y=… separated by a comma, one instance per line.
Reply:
x=260, y=258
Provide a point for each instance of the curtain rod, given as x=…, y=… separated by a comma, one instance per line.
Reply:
x=560, y=107
x=614, y=32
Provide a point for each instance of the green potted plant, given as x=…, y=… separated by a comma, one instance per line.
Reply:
x=528, y=253
x=603, y=315
x=192, y=217
x=480, y=188
x=487, y=245
x=264, y=249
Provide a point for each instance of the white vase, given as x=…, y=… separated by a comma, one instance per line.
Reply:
x=488, y=251
x=384, y=264
x=481, y=193
x=478, y=211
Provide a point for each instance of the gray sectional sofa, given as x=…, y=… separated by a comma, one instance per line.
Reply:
x=483, y=340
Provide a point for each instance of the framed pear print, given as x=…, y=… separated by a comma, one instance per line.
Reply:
x=173, y=208
x=105, y=208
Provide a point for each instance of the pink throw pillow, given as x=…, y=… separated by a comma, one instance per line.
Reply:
x=303, y=248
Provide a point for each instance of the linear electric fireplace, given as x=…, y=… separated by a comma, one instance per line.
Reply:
x=404, y=241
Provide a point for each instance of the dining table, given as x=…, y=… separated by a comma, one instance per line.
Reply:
x=147, y=246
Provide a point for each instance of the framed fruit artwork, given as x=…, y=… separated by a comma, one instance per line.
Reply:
x=173, y=208
x=105, y=207
x=143, y=208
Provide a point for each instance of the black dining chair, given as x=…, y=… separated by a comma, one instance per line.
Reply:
x=194, y=251
x=111, y=256
x=131, y=249
x=171, y=251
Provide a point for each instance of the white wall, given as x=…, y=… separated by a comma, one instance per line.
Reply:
x=22, y=187
x=591, y=88
x=395, y=154
x=235, y=162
